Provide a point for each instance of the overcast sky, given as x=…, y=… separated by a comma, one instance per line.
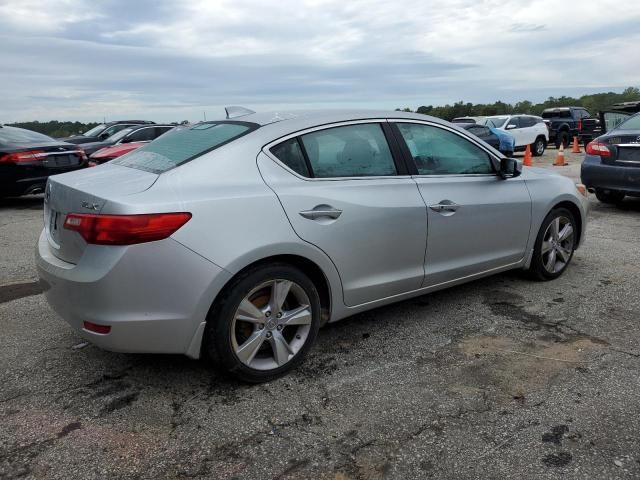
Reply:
x=172, y=60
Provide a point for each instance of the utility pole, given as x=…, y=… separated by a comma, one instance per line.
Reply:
x=204, y=115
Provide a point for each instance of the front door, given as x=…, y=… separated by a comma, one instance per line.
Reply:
x=478, y=221
x=344, y=192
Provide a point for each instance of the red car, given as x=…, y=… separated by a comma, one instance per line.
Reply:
x=109, y=153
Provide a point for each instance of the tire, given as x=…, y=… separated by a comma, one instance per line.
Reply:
x=562, y=138
x=609, y=196
x=537, y=148
x=244, y=334
x=552, y=254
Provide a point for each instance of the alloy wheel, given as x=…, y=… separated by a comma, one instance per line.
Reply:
x=557, y=244
x=271, y=324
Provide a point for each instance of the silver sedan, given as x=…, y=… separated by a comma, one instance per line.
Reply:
x=238, y=239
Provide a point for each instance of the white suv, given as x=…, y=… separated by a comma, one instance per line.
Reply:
x=526, y=130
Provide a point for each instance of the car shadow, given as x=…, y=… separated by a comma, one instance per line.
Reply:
x=28, y=202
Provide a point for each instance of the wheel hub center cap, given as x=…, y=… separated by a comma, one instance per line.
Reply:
x=271, y=324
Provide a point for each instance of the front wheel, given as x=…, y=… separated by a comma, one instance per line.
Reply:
x=554, y=245
x=609, y=196
x=537, y=149
x=264, y=323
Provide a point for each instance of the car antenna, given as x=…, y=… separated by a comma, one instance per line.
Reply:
x=234, y=112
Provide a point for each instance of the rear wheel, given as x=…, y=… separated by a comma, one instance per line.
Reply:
x=537, y=149
x=264, y=323
x=554, y=245
x=609, y=196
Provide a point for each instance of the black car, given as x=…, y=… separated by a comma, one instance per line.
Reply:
x=104, y=131
x=28, y=158
x=564, y=123
x=483, y=133
x=611, y=164
x=136, y=133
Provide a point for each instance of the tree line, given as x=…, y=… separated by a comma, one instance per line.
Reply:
x=55, y=128
x=593, y=103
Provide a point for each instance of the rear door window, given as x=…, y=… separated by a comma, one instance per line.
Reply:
x=349, y=151
x=142, y=135
x=180, y=146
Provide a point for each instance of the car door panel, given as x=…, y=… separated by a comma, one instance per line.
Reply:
x=477, y=221
x=488, y=230
x=373, y=229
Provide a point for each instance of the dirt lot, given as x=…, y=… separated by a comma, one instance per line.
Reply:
x=502, y=377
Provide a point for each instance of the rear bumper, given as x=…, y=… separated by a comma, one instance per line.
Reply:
x=595, y=174
x=155, y=296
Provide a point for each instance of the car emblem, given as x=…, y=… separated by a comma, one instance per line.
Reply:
x=638, y=139
x=47, y=193
x=90, y=206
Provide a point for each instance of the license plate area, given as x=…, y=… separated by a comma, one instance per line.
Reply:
x=63, y=160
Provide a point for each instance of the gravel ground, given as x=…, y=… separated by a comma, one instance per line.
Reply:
x=501, y=377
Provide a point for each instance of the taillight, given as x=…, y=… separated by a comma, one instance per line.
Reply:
x=598, y=148
x=580, y=125
x=125, y=229
x=82, y=153
x=96, y=328
x=26, y=156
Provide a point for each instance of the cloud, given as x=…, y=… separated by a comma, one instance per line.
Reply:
x=167, y=60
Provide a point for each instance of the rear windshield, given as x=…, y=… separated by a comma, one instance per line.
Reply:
x=633, y=123
x=557, y=114
x=183, y=144
x=9, y=135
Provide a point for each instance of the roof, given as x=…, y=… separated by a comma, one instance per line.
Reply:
x=276, y=124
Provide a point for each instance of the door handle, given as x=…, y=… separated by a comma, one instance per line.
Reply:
x=444, y=206
x=321, y=211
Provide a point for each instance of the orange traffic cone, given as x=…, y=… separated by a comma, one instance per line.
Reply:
x=576, y=146
x=527, y=157
x=560, y=158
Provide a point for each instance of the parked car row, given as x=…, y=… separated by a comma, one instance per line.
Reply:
x=525, y=130
x=28, y=158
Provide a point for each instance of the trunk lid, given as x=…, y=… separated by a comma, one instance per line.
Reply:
x=85, y=191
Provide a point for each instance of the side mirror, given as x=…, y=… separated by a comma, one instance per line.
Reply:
x=104, y=136
x=511, y=126
x=510, y=168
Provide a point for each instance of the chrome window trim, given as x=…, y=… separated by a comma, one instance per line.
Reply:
x=266, y=150
x=460, y=134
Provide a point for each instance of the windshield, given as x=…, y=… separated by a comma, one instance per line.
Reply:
x=120, y=135
x=633, y=123
x=180, y=146
x=95, y=131
x=495, y=122
x=20, y=135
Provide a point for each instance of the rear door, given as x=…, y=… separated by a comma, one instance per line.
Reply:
x=478, y=221
x=345, y=190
